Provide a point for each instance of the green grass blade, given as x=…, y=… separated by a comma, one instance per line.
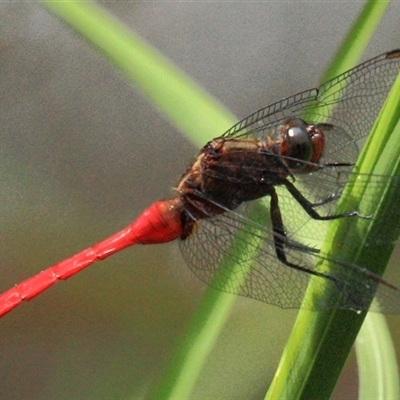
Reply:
x=183, y=371
x=200, y=118
x=212, y=314
x=321, y=341
x=193, y=111
x=357, y=39
x=376, y=358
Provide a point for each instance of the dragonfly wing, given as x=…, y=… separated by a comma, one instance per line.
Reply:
x=236, y=254
x=350, y=102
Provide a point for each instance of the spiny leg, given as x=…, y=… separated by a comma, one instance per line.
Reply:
x=308, y=207
x=280, y=241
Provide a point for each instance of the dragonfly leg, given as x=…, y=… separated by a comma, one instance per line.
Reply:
x=308, y=207
x=332, y=197
x=337, y=165
x=281, y=241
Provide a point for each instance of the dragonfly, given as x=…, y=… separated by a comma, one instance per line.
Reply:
x=249, y=209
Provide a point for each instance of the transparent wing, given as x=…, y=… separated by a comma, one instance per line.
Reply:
x=239, y=251
x=351, y=102
x=240, y=242
x=300, y=226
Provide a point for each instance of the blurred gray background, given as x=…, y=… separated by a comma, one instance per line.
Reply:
x=82, y=153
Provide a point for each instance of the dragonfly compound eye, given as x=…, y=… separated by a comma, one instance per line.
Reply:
x=299, y=147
